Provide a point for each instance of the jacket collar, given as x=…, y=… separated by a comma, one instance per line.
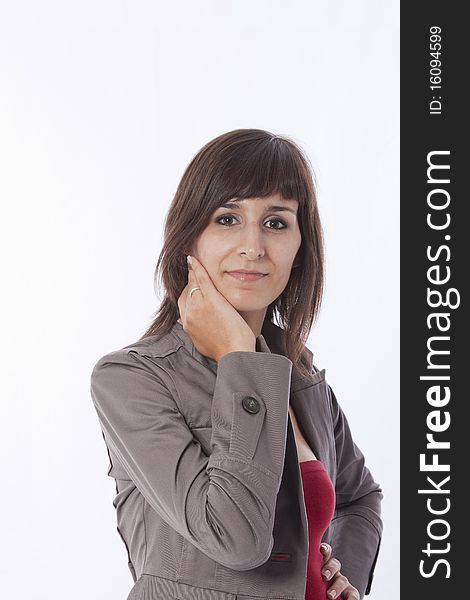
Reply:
x=274, y=335
x=271, y=339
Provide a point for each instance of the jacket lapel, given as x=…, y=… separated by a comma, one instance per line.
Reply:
x=309, y=402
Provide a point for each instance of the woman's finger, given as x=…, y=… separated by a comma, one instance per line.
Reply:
x=202, y=277
x=193, y=280
x=325, y=550
x=339, y=585
x=183, y=298
x=351, y=593
x=330, y=568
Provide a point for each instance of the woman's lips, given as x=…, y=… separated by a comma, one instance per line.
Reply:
x=246, y=276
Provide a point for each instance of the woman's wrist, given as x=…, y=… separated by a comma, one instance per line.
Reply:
x=237, y=348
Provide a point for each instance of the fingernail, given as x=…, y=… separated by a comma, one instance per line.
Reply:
x=332, y=593
x=188, y=258
x=327, y=574
x=324, y=546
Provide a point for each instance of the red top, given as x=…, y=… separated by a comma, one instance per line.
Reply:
x=320, y=500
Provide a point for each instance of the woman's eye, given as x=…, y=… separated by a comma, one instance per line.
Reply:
x=278, y=221
x=227, y=220
x=224, y=217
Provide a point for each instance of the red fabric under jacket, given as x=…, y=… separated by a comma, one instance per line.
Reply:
x=319, y=495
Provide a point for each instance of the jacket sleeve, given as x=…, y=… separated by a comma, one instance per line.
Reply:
x=355, y=531
x=223, y=504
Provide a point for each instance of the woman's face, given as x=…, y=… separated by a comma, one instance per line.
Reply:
x=256, y=234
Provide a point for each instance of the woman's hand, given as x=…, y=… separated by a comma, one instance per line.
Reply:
x=213, y=324
x=340, y=586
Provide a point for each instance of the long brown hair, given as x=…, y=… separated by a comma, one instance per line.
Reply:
x=246, y=163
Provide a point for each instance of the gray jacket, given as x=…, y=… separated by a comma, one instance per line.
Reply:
x=209, y=495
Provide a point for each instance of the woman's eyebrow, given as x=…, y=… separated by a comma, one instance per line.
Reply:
x=270, y=208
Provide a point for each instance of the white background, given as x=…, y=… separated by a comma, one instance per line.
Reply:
x=102, y=106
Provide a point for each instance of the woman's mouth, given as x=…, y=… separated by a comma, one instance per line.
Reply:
x=243, y=276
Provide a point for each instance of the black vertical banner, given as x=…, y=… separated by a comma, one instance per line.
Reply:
x=435, y=268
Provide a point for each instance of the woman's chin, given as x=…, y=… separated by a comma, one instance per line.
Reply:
x=244, y=300
x=245, y=306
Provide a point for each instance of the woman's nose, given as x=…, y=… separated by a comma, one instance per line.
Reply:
x=251, y=243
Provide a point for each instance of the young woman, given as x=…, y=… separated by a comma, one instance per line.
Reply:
x=232, y=458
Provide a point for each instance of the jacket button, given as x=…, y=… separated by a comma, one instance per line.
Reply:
x=250, y=404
